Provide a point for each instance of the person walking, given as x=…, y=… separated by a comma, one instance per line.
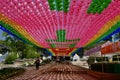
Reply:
x=37, y=63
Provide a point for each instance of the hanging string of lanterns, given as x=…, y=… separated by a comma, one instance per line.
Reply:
x=97, y=6
x=59, y=5
x=8, y=27
x=115, y=24
x=60, y=23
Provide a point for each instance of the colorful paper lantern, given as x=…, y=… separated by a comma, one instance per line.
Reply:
x=60, y=24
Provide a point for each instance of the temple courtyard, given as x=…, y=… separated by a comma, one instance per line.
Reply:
x=54, y=71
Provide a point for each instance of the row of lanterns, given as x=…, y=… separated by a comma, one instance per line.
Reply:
x=42, y=28
x=97, y=6
x=59, y=5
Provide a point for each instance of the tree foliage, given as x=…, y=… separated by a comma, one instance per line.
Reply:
x=17, y=46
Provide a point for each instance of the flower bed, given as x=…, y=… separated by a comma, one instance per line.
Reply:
x=9, y=72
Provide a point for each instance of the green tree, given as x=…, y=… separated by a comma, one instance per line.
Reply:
x=3, y=50
x=17, y=46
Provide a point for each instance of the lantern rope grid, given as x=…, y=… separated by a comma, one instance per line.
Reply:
x=54, y=28
x=74, y=26
x=46, y=23
x=111, y=15
x=63, y=22
x=72, y=21
x=83, y=23
x=5, y=19
x=57, y=22
x=94, y=24
x=29, y=19
x=17, y=15
x=43, y=29
x=62, y=19
x=68, y=16
x=78, y=18
x=57, y=16
x=108, y=24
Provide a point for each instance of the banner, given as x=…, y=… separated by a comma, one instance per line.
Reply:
x=114, y=47
x=93, y=50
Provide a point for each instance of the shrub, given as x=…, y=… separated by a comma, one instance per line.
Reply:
x=26, y=64
x=10, y=58
x=32, y=55
x=6, y=73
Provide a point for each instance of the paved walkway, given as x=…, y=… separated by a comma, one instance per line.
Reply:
x=54, y=72
x=80, y=63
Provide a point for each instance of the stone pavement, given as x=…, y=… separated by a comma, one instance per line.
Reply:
x=54, y=71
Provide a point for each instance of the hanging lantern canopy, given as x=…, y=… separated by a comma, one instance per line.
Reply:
x=60, y=24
